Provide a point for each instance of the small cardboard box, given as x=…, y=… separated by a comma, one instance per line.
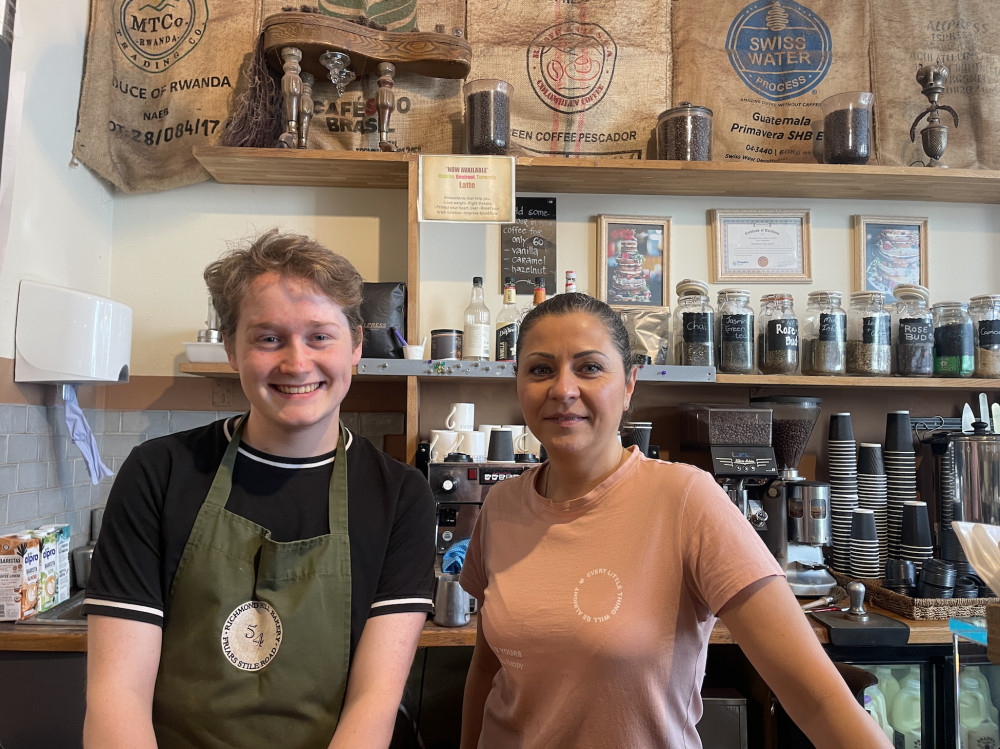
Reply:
x=19, y=570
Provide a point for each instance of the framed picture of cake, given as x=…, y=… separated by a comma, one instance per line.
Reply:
x=632, y=260
x=889, y=250
x=760, y=245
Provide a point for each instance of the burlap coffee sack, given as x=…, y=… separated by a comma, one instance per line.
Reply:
x=149, y=95
x=589, y=78
x=395, y=15
x=428, y=114
x=962, y=35
x=763, y=67
x=157, y=82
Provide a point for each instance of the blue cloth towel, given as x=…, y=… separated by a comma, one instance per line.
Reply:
x=454, y=557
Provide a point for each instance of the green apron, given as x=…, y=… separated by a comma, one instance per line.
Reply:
x=257, y=639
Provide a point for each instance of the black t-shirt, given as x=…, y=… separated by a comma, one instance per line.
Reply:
x=163, y=483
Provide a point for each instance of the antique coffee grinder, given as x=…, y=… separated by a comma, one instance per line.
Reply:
x=934, y=136
x=754, y=454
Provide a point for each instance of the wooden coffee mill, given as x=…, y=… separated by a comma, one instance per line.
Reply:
x=304, y=46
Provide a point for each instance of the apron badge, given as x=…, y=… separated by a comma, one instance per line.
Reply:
x=251, y=635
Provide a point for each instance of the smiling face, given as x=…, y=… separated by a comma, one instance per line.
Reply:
x=572, y=387
x=294, y=352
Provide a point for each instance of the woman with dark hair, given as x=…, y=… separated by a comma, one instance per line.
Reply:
x=600, y=574
x=263, y=579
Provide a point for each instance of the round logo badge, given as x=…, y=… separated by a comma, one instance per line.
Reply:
x=779, y=49
x=597, y=595
x=251, y=635
x=155, y=35
x=570, y=66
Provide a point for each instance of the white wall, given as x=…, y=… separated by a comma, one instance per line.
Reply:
x=963, y=248
x=60, y=230
x=163, y=241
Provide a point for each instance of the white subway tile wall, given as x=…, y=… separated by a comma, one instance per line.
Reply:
x=44, y=478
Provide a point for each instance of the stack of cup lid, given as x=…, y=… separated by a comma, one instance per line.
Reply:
x=937, y=579
x=901, y=576
x=842, y=462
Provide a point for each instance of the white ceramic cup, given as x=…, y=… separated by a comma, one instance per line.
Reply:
x=486, y=429
x=473, y=444
x=413, y=351
x=443, y=441
x=461, y=417
x=516, y=430
x=527, y=443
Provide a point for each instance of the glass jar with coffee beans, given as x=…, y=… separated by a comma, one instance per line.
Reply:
x=824, y=334
x=954, y=345
x=985, y=313
x=777, y=335
x=684, y=133
x=912, y=331
x=869, y=349
x=735, y=332
x=694, y=325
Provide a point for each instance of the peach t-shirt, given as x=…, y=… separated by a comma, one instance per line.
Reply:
x=600, y=609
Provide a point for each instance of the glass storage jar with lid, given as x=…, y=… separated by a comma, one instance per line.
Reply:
x=684, y=133
x=869, y=350
x=694, y=325
x=777, y=335
x=734, y=332
x=912, y=331
x=954, y=347
x=985, y=313
x=824, y=334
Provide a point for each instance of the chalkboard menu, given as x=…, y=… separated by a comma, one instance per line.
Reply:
x=528, y=246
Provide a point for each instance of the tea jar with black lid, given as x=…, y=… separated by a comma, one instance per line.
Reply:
x=869, y=342
x=694, y=325
x=824, y=334
x=684, y=133
x=985, y=313
x=912, y=331
x=954, y=345
x=735, y=332
x=777, y=335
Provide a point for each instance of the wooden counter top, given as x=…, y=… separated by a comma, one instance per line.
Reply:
x=44, y=638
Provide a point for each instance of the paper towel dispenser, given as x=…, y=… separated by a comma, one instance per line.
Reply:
x=65, y=335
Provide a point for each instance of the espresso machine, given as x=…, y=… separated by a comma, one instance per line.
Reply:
x=754, y=454
x=459, y=488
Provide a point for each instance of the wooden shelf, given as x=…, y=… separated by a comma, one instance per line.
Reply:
x=312, y=168
x=910, y=383
x=207, y=370
x=555, y=174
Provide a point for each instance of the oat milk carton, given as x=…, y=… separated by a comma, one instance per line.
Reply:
x=48, y=568
x=62, y=557
x=19, y=568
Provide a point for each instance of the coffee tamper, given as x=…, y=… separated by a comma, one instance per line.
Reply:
x=856, y=599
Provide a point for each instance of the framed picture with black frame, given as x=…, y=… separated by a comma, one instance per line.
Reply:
x=632, y=260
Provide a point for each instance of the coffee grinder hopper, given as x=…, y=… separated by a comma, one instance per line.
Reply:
x=792, y=421
x=799, y=512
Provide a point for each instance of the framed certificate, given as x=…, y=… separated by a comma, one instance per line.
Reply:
x=760, y=246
